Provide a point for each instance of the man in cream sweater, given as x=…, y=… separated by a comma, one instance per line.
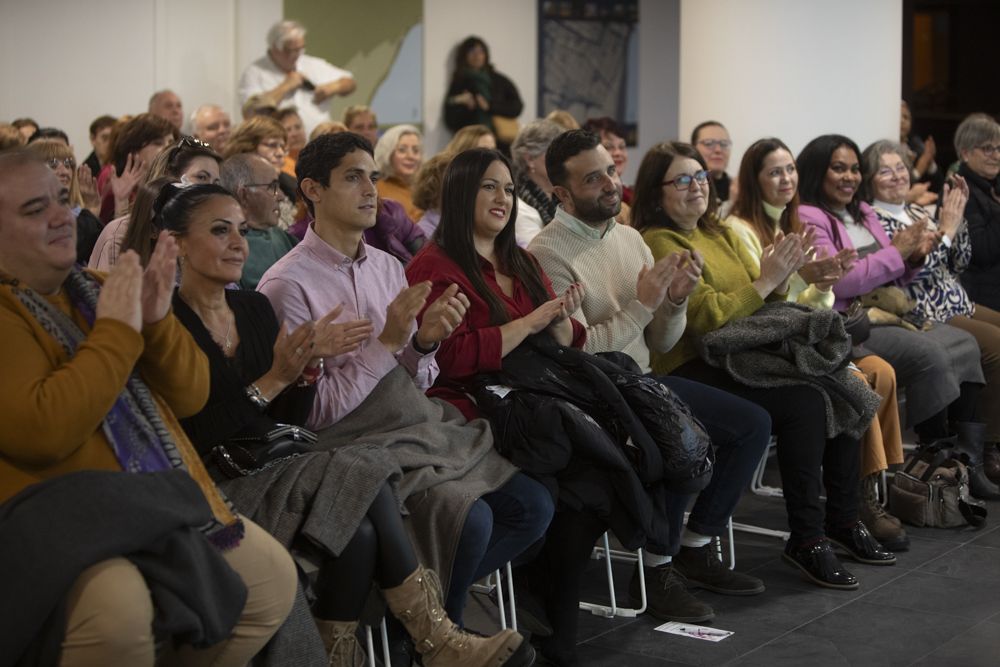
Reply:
x=633, y=305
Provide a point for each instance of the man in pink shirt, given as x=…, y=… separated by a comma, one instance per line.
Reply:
x=333, y=266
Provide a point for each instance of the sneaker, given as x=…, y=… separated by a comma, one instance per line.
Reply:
x=666, y=597
x=859, y=545
x=700, y=567
x=820, y=565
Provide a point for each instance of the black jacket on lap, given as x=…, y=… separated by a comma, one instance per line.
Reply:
x=599, y=433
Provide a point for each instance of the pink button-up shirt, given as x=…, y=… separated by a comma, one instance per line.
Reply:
x=313, y=279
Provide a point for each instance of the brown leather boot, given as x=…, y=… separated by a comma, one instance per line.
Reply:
x=341, y=641
x=884, y=527
x=417, y=604
x=991, y=461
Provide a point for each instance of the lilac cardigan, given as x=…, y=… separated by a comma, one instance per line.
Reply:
x=879, y=268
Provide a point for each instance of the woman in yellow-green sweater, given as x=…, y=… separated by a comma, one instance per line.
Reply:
x=94, y=371
x=675, y=210
x=767, y=205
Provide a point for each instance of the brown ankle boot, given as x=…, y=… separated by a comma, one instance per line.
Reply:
x=417, y=604
x=884, y=527
x=341, y=641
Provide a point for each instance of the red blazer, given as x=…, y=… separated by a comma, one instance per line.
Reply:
x=474, y=347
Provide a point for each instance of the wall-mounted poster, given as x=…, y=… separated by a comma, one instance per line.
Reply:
x=588, y=60
x=380, y=42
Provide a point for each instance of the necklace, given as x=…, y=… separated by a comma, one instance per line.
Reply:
x=225, y=342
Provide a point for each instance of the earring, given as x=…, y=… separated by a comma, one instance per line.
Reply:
x=181, y=259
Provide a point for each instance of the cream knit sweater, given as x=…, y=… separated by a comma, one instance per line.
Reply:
x=608, y=267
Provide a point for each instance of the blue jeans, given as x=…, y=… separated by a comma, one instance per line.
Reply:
x=500, y=526
x=740, y=431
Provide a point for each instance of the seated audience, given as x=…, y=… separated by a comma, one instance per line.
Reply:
x=49, y=133
x=920, y=153
x=361, y=119
x=533, y=186
x=938, y=365
x=977, y=142
x=766, y=210
x=564, y=119
x=477, y=497
x=134, y=145
x=398, y=154
x=10, y=137
x=253, y=181
x=210, y=123
x=937, y=289
x=511, y=300
x=817, y=447
x=83, y=198
x=328, y=127
x=96, y=372
x=167, y=105
x=266, y=137
x=190, y=161
x=613, y=140
x=471, y=136
x=352, y=525
x=292, y=122
x=100, y=141
x=427, y=191
x=26, y=126
x=713, y=143
x=632, y=305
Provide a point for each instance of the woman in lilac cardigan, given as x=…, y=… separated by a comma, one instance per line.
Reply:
x=940, y=367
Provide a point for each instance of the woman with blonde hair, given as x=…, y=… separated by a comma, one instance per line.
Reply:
x=471, y=136
x=83, y=198
x=361, y=119
x=398, y=155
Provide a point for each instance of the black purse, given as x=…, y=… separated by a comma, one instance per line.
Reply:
x=242, y=456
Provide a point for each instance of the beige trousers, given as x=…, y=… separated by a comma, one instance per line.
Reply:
x=110, y=612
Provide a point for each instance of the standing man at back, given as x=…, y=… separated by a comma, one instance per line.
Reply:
x=632, y=305
x=285, y=76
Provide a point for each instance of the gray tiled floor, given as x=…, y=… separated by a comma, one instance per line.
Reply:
x=939, y=605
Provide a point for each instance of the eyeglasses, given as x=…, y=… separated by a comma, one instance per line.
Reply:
x=888, y=172
x=67, y=162
x=272, y=186
x=712, y=144
x=274, y=144
x=683, y=182
x=989, y=151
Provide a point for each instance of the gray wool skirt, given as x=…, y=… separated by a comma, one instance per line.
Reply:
x=930, y=365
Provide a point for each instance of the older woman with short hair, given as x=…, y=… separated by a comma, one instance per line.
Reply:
x=267, y=138
x=533, y=185
x=977, y=142
x=937, y=289
x=398, y=155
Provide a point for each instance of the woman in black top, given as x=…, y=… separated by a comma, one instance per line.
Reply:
x=335, y=505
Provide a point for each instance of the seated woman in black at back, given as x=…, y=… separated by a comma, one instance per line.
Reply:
x=335, y=505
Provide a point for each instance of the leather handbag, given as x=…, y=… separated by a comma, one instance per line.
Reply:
x=506, y=129
x=242, y=456
x=932, y=490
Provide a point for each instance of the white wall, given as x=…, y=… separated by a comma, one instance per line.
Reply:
x=65, y=62
x=786, y=67
x=511, y=31
x=791, y=69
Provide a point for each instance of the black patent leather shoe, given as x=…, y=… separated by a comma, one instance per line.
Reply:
x=820, y=565
x=859, y=545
